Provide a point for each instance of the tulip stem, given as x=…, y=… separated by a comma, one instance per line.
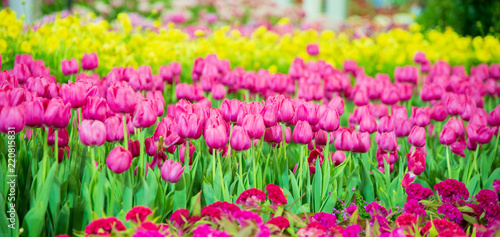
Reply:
x=327, y=146
x=173, y=90
x=283, y=140
x=448, y=163
x=56, y=146
x=301, y=164
x=125, y=139
x=213, y=163
x=474, y=166
x=186, y=156
x=142, y=166
x=252, y=147
x=240, y=165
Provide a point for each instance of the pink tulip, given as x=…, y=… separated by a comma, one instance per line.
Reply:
x=34, y=112
x=92, y=132
x=345, y=140
x=38, y=85
x=21, y=73
x=75, y=94
x=216, y=133
x=368, y=124
x=338, y=157
x=57, y=114
x=12, y=118
x=308, y=112
x=363, y=144
x=387, y=141
x=302, y=134
x=172, y=171
x=69, y=67
x=121, y=98
x=230, y=109
x=189, y=126
x=62, y=137
x=330, y=120
x=255, y=126
x=218, y=92
x=240, y=140
x=270, y=115
x=150, y=146
x=457, y=125
x=455, y=104
x=90, y=61
x=447, y=136
x=386, y=124
x=119, y=160
x=182, y=152
x=114, y=129
x=407, y=179
x=390, y=95
x=417, y=136
x=438, y=112
x=419, y=57
x=286, y=110
x=312, y=49
x=402, y=127
x=144, y=114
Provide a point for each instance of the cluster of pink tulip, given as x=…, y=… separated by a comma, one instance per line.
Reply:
x=129, y=100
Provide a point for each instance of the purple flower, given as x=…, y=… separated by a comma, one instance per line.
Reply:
x=451, y=212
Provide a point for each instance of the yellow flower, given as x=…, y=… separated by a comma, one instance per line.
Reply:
x=3, y=46
x=26, y=47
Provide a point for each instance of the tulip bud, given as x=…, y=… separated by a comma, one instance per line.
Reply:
x=254, y=125
x=37, y=85
x=150, y=146
x=363, y=144
x=312, y=49
x=302, y=134
x=419, y=57
x=69, y=67
x=121, y=98
x=345, y=141
x=189, y=126
x=361, y=97
x=438, y=112
x=215, y=134
x=390, y=95
x=218, y=92
x=230, y=109
x=338, y=157
x=407, y=179
x=92, y=132
x=75, y=94
x=144, y=114
x=95, y=109
x=172, y=171
x=240, y=140
x=62, y=137
x=368, y=124
x=286, y=110
x=182, y=152
x=12, y=118
x=269, y=115
x=420, y=116
x=458, y=148
x=417, y=136
x=21, y=73
x=387, y=141
x=119, y=160
x=385, y=124
x=308, y=112
x=484, y=135
x=34, y=112
x=402, y=127
x=457, y=125
x=455, y=105
x=447, y=136
x=330, y=120
x=90, y=61
x=114, y=129
x=337, y=103
x=57, y=114
x=274, y=134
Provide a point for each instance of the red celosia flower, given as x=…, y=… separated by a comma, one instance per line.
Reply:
x=226, y=208
x=313, y=229
x=212, y=212
x=440, y=225
x=406, y=219
x=138, y=214
x=452, y=233
x=413, y=206
x=179, y=217
x=194, y=219
x=280, y=222
x=250, y=198
x=104, y=226
x=275, y=194
x=326, y=219
x=148, y=225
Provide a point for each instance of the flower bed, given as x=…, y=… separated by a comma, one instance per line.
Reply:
x=192, y=143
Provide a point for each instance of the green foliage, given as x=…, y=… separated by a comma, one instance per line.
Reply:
x=467, y=17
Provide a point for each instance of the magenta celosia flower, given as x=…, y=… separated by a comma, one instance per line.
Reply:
x=374, y=208
x=451, y=213
x=416, y=192
x=275, y=194
x=138, y=214
x=486, y=197
x=382, y=222
x=406, y=220
x=351, y=209
x=148, y=233
x=205, y=230
x=492, y=211
x=351, y=231
x=496, y=186
x=226, y=208
x=476, y=208
x=325, y=219
x=251, y=197
x=452, y=191
x=413, y=206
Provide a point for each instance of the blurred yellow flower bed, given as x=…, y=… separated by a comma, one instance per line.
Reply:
x=120, y=44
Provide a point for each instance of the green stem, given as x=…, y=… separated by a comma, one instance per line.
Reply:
x=283, y=141
x=56, y=145
x=213, y=163
x=254, y=166
x=448, y=162
x=240, y=165
x=142, y=165
x=125, y=138
x=186, y=156
x=327, y=147
x=301, y=164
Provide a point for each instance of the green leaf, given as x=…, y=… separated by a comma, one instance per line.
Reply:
x=62, y=225
x=469, y=219
x=208, y=193
x=317, y=187
x=196, y=205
